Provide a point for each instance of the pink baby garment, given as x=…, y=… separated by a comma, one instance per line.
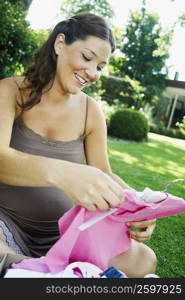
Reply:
x=104, y=239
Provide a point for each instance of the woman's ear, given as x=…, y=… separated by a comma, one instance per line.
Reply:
x=59, y=42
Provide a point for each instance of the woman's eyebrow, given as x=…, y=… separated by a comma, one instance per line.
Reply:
x=103, y=62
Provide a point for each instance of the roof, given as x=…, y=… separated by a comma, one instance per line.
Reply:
x=175, y=88
x=175, y=83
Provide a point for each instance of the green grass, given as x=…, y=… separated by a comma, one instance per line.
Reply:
x=153, y=164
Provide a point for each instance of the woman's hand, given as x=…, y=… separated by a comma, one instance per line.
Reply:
x=119, y=180
x=88, y=186
x=145, y=230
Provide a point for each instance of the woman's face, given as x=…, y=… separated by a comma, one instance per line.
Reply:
x=80, y=63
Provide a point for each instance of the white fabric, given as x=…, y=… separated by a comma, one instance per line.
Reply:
x=148, y=195
x=87, y=270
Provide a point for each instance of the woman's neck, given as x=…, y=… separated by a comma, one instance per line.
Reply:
x=55, y=95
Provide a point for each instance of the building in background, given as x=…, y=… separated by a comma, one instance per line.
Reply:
x=175, y=92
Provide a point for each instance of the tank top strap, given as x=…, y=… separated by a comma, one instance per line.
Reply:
x=19, y=88
x=86, y=114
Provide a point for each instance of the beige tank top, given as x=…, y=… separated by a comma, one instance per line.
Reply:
x=36, y=210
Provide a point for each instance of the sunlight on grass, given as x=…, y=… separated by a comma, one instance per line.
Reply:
x=153, y=164
x=123, y=156
x=162, y=166
x=153, y=145
x=152, y=157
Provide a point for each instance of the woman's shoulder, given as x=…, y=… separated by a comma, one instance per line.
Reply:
x=92, y=103
x=12, y=82
x=9, y=90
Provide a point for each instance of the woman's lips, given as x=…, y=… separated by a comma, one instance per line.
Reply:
x=81, y=80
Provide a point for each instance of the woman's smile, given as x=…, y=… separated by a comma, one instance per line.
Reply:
x=80, y=79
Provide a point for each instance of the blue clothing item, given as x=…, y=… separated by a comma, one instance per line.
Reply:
x=112, y=272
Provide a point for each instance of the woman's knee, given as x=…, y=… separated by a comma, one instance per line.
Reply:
x=148, y=260
x=138, y=261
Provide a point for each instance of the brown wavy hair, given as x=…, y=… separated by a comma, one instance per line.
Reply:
x=42, y=72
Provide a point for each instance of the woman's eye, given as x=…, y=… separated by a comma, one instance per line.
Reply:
x=89, y=59
x=99, y=69
x=86, y=58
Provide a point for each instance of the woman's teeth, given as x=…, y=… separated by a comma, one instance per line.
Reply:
x=80, y=79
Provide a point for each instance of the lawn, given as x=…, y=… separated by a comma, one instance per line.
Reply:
x=153, y=164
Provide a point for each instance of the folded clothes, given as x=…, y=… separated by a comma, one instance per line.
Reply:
x=103, y=240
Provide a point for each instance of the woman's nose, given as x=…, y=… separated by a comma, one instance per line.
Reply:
x=92, y=74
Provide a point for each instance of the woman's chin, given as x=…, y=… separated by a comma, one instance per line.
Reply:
x=75, y=90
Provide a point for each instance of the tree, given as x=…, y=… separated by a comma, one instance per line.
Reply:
x=145, y=51
x=100, y=7
x=26, y=3
x=182, y=19
x=122, y=91
x=17, y=42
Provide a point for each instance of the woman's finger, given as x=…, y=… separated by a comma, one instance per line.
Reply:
x=115, y=187
x=142, y=224
x=111, y=198
x=139, y=238
x=101, y=203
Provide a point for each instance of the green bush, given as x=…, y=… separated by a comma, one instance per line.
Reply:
x=128, y=124
x=182, y=126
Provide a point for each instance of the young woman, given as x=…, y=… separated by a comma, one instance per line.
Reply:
x=49, y=127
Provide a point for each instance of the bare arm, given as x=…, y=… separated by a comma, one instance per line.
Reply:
x=85, y=185
x=96, y=152
x=96, y=143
